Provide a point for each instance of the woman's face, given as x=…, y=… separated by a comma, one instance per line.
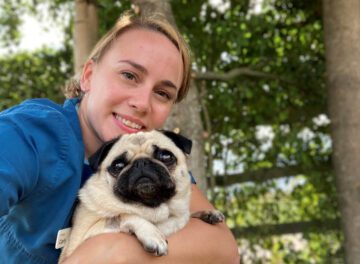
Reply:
x=132, y=88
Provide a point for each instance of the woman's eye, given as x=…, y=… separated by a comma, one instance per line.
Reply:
x=164, y=95
x=128, y=76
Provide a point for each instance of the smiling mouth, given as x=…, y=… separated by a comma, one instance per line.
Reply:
x=128, y=123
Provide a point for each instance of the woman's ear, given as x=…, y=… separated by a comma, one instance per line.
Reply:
x=86, y=76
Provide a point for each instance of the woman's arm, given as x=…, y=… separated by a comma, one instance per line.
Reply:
x=197, y=242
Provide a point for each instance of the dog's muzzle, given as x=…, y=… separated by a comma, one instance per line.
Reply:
x=146, y=182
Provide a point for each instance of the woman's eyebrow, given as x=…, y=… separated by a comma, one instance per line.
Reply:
x=135, y=65
x=169, y=84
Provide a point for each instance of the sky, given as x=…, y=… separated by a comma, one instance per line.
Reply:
x=35, y=32
x=35, y=35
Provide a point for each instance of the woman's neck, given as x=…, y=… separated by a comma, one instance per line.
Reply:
x=91, y=142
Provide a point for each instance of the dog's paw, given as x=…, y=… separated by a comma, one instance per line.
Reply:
x=158, y=248
x=154, y=243
x=212, y=216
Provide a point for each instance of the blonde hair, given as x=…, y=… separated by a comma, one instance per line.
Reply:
x=128, y=21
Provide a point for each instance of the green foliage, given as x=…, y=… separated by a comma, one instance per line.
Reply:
x=9, y=21
x=284, y=44
x=33, y=75
x=271, y=203
x=109, y=12
x=283, y=93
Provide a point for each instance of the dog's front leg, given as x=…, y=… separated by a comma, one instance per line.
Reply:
x=173, y=223
x=147, y=233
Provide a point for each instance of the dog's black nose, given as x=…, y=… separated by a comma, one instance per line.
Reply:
x=141, y=163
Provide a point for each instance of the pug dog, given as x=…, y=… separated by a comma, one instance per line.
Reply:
x=141, y=186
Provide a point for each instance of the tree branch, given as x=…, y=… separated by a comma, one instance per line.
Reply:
x=288, y=228
x=266, y=174
x=234, y=73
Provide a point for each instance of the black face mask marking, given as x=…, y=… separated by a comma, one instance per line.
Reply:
x=145, y=182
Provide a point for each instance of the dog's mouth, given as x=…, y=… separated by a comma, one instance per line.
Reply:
x=146, y=188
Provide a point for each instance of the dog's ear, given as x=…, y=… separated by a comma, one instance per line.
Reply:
x=96, y=159
x=180, y=141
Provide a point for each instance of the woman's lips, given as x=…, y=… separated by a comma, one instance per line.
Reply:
x=128, y=124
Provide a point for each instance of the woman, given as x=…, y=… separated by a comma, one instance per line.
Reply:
x=130, y=82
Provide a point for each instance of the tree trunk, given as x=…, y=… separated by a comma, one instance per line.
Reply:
x=85, y=31
x=148, y=7
x=342, y=38
x=186, y=115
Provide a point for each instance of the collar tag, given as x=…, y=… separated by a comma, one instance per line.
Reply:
x=62, y=236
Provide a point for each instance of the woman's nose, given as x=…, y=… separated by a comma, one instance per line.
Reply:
x=140, y=100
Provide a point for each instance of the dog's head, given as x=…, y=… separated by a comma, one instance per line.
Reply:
x=145, y=167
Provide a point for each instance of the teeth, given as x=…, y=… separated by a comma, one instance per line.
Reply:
x=128, y=123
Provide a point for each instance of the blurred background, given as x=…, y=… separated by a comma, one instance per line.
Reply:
x=258, y=109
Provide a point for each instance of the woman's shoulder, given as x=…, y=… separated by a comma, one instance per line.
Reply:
x=41, y=152
x=42, y=131
x=42, y=120
x=38, y=107
x=40, y=112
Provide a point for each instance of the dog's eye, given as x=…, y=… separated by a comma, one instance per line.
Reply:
x=117, y=166
x=165, y=156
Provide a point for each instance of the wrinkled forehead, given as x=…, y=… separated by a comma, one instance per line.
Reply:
x=136, y=142
x=141, y=144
